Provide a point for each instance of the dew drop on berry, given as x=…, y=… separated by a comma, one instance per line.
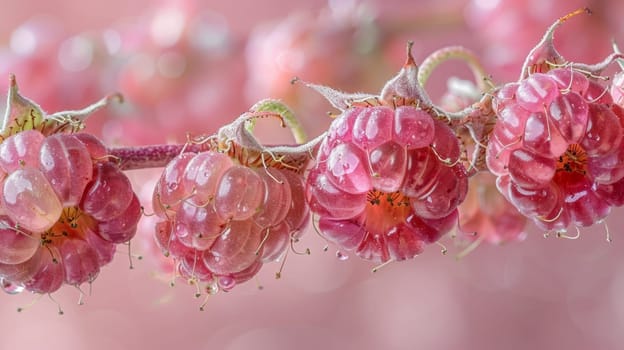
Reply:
x=226, y=283
x=11, y=288
x=347, y=168
x=30, y=200
x=342, y=256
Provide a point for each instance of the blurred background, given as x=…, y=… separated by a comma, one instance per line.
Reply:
x=192, y=66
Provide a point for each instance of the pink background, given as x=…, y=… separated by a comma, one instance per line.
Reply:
x=541, y=293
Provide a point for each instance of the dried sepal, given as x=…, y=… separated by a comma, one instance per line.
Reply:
x=237, y=139
x=338, y=99
x=24, y=114
x=21, y=113
x=544, y=55
x=405, y=85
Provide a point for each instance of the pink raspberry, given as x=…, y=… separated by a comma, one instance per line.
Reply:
x=62, y=212
x=223, y=219
x=227, y=211
x=388, y=177
x=63, y=205
x=387, y=182
x=486, y=215
x=556, y=147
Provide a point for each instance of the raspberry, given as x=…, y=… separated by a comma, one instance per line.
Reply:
x=486, y=215
x=229, y=210
x=387, y=180
x=231, y=215
x=559, y=138
x=63, y=204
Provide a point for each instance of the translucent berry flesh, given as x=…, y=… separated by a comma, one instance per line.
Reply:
x=65, y=210
x=387, y=182
x=224, y=219
x=557, y=143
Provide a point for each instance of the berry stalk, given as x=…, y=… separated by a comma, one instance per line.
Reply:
x=152, y=156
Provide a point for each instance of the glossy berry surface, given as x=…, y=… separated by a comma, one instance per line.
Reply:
x=223, y=220
x=557, y=148
x=387, y=182
x=63, y=209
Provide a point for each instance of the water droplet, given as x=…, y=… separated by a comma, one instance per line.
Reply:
x=226, y=283
x=212, y=288
x=10, y=287
x=341, y=256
